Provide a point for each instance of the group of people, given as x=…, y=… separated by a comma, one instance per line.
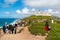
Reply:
x=12, y=28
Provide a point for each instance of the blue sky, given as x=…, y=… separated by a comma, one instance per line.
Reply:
x=23, y=8
x=8, y=9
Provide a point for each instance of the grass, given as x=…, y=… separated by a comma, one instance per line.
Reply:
x=54, y=33
x=37, y=17
x=37, y=28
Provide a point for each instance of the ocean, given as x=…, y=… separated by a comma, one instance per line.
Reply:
x=8, y=20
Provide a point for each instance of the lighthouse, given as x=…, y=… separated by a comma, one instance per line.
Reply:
x=39, y=13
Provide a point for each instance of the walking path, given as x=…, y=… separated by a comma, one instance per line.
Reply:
x=24, y=35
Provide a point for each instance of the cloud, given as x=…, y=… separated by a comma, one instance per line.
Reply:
x=10, y=1
x=51, y=6
x=7, y=3
x=25, y=10
x=7, y=12
x=42, y=3
x=18, y=12
x=57, y=12
x=52, y=11
x=33, y=9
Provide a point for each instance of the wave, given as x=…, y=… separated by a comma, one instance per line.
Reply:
x=1, y=27
x=15, y=21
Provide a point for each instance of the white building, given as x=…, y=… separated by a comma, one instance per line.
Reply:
x=43, y=14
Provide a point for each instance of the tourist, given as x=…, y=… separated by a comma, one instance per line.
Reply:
x=15, y=27
x=19, y=24
x=46, y=26
x=11, y=28
x=4, y=29
x=7, y=28
x=29, y=21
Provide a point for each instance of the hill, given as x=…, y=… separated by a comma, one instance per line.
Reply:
x=37, y=24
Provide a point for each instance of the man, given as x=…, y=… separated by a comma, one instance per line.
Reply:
x=4, y=29
x=11, y=28
x=15, y=27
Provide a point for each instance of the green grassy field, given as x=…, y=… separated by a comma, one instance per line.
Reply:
x=54, y=33
x=37, y=28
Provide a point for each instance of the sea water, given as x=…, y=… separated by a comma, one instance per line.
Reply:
x=8, y=20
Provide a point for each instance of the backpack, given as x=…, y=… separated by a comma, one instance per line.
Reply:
x=49, y=28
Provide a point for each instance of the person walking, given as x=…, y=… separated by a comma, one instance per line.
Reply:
x=11, y=28
x=4, y=29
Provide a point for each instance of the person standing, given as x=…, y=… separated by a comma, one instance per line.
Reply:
x=4, y=29
x=46, y=28
x=15, y=28
x=11, y=28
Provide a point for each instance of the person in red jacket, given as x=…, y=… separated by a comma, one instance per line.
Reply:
x=46, y=27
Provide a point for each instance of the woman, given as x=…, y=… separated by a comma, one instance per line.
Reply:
x=46, y=28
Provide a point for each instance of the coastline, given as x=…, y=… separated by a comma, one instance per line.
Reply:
x=15, y=21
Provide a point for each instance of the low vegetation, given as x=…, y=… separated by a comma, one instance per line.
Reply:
x=37, y=27
x=54, y=33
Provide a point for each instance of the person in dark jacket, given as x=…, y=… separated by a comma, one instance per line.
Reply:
x=11, y=28
x=4, y=29
x=15, y=28
x=46, y=28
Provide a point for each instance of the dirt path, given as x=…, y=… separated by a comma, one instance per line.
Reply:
x=24, y=35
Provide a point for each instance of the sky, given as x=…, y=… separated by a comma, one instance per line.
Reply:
x=25, y=8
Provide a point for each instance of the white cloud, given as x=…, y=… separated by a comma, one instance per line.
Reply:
x=33, y=9
x=6, y=12
x=25, y=10
x=10, y=1
x=57, y=12
x=42, y=3
x=18, y=12
x=7, y=3
x=53, y=6
x=52, y=11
